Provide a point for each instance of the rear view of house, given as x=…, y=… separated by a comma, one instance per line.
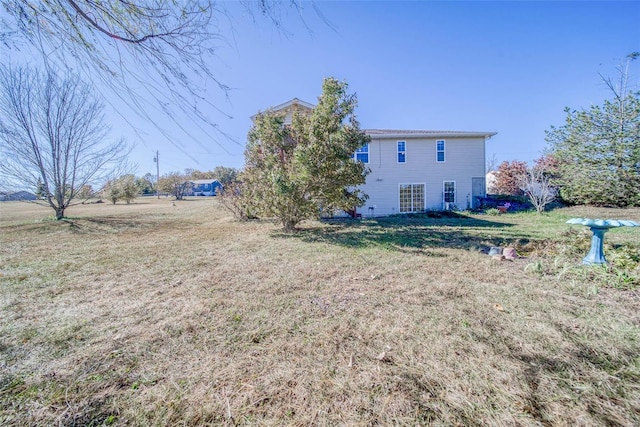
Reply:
x=416, y=170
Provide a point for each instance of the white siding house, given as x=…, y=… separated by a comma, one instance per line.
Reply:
x=417, y=170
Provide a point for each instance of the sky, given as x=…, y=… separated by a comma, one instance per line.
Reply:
x=507, y=67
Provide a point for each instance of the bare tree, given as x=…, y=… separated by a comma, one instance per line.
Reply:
x=492, y=163
x=535, y=182
x=53, y=135
x=142, y=51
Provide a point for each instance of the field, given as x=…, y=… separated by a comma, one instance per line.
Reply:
x=152, y=314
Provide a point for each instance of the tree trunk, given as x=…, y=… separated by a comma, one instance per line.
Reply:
x=59, y=213
x=289, y=226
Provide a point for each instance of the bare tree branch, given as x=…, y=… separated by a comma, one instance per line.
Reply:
x=141, y=51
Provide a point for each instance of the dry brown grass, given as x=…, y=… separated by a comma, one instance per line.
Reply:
x=152, y=314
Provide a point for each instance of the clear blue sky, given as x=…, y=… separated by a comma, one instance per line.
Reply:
x=509, y=67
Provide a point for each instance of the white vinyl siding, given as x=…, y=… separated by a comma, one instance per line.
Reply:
x=411, y=198
x=465, y=159
x=440, y=151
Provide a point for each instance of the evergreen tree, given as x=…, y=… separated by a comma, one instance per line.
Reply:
x=302, y=170
x=598, y=150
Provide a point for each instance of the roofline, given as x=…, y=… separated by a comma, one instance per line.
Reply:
x=294, y=101
x=379, y=134
x=212, y=180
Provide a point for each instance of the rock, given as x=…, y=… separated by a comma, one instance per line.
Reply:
x=510, y=253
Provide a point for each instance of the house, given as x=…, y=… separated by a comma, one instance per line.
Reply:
x=417, y=170
x=204, y=187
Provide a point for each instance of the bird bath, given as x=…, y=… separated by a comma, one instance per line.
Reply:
x=598, y=228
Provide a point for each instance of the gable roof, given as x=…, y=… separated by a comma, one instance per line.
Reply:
x=295, y=102
x=204, y=181
x=388, y=133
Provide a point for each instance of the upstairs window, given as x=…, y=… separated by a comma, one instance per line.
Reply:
x=440, y=150
x=362, y=154
x=402, y=152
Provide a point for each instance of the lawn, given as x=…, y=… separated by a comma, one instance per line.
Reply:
x=154, y=314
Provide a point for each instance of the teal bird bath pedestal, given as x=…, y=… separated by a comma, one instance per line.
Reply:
x=598, y=227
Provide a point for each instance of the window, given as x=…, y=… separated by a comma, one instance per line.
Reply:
x=411, y=198
x=440, y=150
x=402, y=152
x=362, y=154
x=449, y=192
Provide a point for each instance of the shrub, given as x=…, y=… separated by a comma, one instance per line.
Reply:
x=239, y=204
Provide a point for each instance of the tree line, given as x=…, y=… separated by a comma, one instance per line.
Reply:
x=177, y=184
x=54, y=137
x=592, y=159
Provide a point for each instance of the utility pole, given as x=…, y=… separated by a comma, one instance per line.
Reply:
x=156, y=159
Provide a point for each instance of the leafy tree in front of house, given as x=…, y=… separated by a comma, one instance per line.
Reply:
x=175, y=183
x=302, y=170
x=598, y=150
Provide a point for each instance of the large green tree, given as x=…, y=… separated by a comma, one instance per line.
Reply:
x=299, y=171
x=597, y=151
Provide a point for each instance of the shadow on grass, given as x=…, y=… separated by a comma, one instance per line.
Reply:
x=108, y=224
x=407, y=233
x=603, y=376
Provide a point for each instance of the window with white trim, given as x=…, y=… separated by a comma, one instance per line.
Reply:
x=402, y=151
x=362, y=154
x=440, y=150
x=411, y=198
x=449, y=191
